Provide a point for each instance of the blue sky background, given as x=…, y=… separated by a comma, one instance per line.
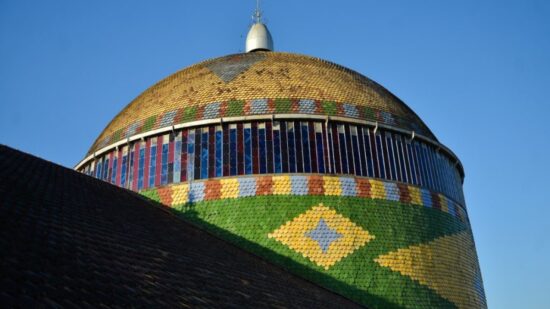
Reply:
x=477, y=72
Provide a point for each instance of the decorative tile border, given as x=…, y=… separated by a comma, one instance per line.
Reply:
x=231, y=188
x=258, y=107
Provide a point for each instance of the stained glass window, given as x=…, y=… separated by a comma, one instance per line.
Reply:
x=320, y=149
x=391, y=156
x=152, y=161
x=262, y=148
x=141, y=166
x=177, y=158
x=204, y=154
x=247, y=148
x=115, y=168
x=277, y=167
x=380, y=155
x=164, y=160
x=124, y=167
x=342, y=147
x=191, y=154
x=356, y=152
x=291, y=147
x=219, y=151
x=305, y=147
x=233, y=149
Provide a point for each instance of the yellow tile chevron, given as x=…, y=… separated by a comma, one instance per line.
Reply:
x=448, y=265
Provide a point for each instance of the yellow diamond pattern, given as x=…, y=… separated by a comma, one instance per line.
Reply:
x=293, y=235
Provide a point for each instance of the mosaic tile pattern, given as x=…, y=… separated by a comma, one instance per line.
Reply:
x=396, y=254
x=233, y=188
x=244, y=81
x=255, y=107
x=445, y=265
x=322, y=235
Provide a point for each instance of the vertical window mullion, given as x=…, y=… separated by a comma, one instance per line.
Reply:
x=380, y=155
x=356, y=153
x=342, y=148
x=320, y=147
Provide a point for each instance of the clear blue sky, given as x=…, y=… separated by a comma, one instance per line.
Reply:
x=478, y=73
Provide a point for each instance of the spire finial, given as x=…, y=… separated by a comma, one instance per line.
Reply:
x=258, y=37
x=258, y=13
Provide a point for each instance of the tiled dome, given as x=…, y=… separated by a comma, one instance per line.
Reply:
x=260, y=83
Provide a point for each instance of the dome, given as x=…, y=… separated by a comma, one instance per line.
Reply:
x=308, y=164
x=239, y=84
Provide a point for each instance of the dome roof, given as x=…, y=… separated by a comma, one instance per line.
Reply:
x=259, y=83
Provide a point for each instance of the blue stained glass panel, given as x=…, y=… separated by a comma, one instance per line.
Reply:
x=191, y=155
x=152, y=164
x=219, y=152
x=164, y=165
x=105, y=169
x=131, y=168
x=98, y=169
x=277, y=164
x=262, y=152
x=320, y=152
x=115, y=169
x=291, y=148
x=247, y=149
x=177, y=159
x=141, y=167
x=305, y=147
x=123, y=170
x=204, y=154
x=233, y=151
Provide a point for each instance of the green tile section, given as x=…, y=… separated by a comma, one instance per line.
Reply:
x=283, y=106
x=234, y=108
x=330, y=108
x=246, y=222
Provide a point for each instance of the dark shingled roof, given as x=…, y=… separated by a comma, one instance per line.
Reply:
x=70, y=240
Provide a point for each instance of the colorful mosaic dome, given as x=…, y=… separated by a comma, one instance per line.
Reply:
x=259, y=83
x=309, y=165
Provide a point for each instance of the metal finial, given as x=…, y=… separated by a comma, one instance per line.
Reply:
x=258, y=14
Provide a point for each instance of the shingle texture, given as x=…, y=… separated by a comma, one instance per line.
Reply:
x=259, y=83
x=70, y=240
